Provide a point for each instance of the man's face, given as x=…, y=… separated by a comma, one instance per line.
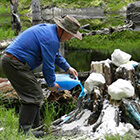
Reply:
x=66, y=36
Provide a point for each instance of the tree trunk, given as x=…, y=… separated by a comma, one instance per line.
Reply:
x=36, y=12
x=15, y=19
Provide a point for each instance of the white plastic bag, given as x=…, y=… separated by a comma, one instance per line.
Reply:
x=94, y=79
x=121, y=89
x=119, y=57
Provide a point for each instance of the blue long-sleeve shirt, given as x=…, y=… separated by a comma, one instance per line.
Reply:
x=37, y=45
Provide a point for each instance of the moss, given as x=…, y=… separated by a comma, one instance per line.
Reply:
x=115, y=40
x=115, y=5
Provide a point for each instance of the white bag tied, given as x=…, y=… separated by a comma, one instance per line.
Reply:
x=119, y=57
x=121, y=89
x=94, y=79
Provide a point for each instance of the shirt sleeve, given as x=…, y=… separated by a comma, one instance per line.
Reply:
x=61, y=62
x=49, y=51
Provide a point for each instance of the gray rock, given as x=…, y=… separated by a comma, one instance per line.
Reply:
x=133, y=14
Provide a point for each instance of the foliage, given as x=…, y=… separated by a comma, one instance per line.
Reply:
x=73, y=3
x=9, y=120
x=55, y=110
x=49, y=114
x=115, y=40
x=9, y=125
x=117, y=137
x=110, y=5
x=4, y=9
x=6, y=31
x=125, y=40
x=24, y=6
x=5, y=34
x=109, y=21
x=113, y=5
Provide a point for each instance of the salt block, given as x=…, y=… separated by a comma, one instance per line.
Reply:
x=119, y=57
x=94, y=79
x=121, y=89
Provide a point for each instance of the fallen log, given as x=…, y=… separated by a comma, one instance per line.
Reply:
x=9, y=95
x=110, y=30
x=5, y=43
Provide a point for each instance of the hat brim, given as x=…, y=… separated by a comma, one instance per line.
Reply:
x=78, y=35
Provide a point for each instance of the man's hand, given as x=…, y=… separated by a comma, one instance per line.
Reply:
x=72, y=71
x=54, y=88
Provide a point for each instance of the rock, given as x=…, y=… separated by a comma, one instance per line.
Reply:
x=133, y=14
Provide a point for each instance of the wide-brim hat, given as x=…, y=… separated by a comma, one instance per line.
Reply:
x=70, y=25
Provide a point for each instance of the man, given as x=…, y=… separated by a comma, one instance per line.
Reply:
x=37, y=45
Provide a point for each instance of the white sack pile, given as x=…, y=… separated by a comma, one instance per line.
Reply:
x=128, y=66
x=94, y=79
x=119, y=57
x=121, y=89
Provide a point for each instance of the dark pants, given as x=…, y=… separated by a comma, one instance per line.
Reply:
x=23, y=80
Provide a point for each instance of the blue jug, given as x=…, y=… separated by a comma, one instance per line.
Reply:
x=67, y=83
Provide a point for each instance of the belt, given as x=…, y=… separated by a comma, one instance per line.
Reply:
x=11, y=56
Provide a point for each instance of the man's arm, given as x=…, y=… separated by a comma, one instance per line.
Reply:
x=49, y=51
x=62, y=63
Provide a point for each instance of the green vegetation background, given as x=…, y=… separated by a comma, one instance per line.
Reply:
x=127, y=40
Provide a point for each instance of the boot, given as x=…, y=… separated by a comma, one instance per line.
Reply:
x=29, y=116
x=36, y=122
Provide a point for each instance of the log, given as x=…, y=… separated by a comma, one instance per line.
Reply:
x=124, y=73
x=108, y=74
x=36, y=12
x=109, y=30
x=9, y=95
x=97, y=67
x=103, y=67
x=15, y=19
x=5, y=43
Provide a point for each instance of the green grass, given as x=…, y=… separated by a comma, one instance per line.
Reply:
x=6, y=31
x=4, y=7
x=110, y=5
x=5, y=28
x=6, y=34
x=9, y=127
x=73, y=3
x=118, y=137
x=9, y=121
x=126, y=40
x=114, y=5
